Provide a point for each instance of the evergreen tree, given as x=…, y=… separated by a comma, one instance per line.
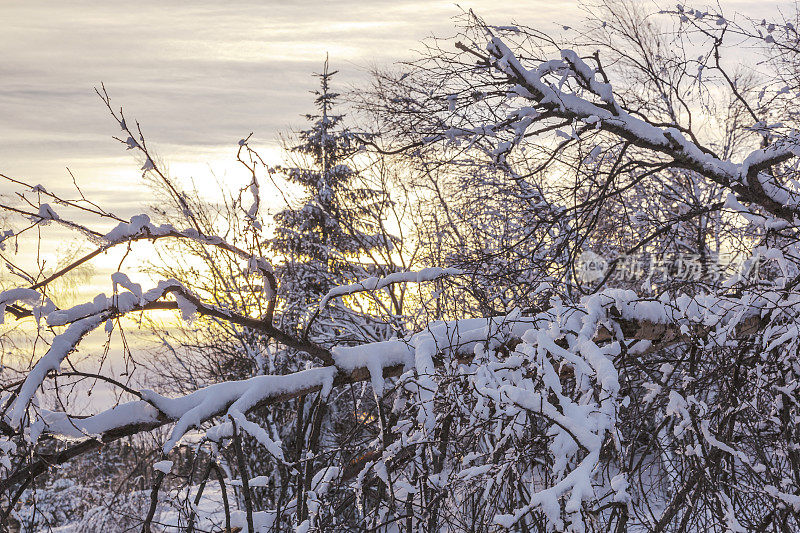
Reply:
x=325, y=238
x=322, y=242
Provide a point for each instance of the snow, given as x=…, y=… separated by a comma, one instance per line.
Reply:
x=140, y=227
x=257, y=432
x=668, y=140
x=82, y=319
x=47, y=213
x=163, y=466
x=187, y=308
x=12, y=296
x=61, y=346
x=561, y=373
x=558, y=338
x=130, y=413
x=374, y=283
x=230, y=397
x=122, y=280
x=424, y=349
x=462, y=336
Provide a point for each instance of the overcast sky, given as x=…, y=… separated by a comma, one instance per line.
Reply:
x=198, y=75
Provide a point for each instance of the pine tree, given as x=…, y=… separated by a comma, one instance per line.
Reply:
x=323, y=240
x=320, y=243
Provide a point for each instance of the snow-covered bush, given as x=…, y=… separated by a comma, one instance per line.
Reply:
x=500, y=388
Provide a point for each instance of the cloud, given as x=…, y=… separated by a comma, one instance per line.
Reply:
x=197, y=76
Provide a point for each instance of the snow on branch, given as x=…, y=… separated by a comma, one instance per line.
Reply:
x=651, y=320
x=12, y=296
x=82, y=319
x=749, y=178
x=375, y=283
x=581, y=341
x=140, y=228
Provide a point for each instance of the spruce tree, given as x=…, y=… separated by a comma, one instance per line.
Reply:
x=324, y=239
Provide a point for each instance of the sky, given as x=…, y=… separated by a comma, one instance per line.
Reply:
x=197, y=75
